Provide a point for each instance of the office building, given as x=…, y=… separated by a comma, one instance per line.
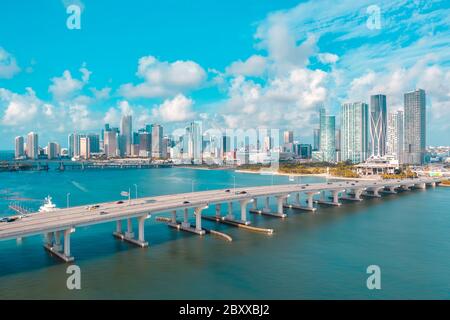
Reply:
x=19, y=151
x=32, y=145
x=378, y=125
x=327, y=144
x=414, y=124
x=354, y=131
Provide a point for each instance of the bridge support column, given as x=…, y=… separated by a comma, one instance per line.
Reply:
x=244, y=210
x=310, y=200
x=53, y=246
x=267, y=205
x=218, y=210
x=297, y=198
x=230, y=215
x=198, y=220
x=174, y=216
x=255, y=203
x=389, y=189
x=129, y=233
x=57, y=244
x=421, y=185
x=336, y=197
x=280, y=200
x=185, y=222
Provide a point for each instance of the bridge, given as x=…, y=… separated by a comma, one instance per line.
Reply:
x=57, y=226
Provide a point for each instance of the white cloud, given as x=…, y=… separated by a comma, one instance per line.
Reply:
x=328, y=58
x=65, y=87
x=19, y=109
x=177, y=109
x=8, y=65
x=254, y=66
x=163, y=79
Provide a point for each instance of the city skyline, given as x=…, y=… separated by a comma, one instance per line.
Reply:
x=281, y=64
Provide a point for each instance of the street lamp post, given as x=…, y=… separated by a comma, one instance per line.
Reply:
x=67, y=199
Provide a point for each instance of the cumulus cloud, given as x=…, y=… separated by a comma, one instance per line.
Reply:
x=19, y=109
x=177, y=109
x=163, y=79
x=327, y=58
x=284, y=101
x=254, y=66
x=65, y=86
x=8, y=65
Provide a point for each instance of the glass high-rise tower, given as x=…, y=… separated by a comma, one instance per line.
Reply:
x=354, y=131
x=415, y=119
x=327, y=146
x=394, y=144
x=378, y=124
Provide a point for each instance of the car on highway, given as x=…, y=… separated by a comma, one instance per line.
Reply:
x=186, y=202
x=103, y=212
x=119, y=202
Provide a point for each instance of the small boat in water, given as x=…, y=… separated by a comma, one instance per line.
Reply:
x=48, y=205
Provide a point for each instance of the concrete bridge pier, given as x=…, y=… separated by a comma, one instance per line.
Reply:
x=390, y=189
x=198, y=221
x=129, y=234
x=230, y=215
x=373, y=192
x=174, y=216
x=421, y=185
x=185, y=222
x=53, y=244
x=334, y=202
x=244, y=211
x=218, y=214
x=282, y=199
x=354, y=194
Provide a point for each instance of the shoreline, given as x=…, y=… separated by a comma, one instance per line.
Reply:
x=319, y=175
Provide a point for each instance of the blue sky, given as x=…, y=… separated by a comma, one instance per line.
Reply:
x=233, y=64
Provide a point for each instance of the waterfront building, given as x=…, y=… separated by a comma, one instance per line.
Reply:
x=305, y=151
x=288, y=137
x=94, y=143
x=19, y=151
x=414, y=124
x=145, y=144
x=316, y=143
x=354, y=131
x=85, y=147
x=394, y=144
x=378, y=124
x=73, y=142
x=268, y=143
x=327, y=136
x=126, y=132
x=110, y=143
x=32, y=149
x=52, y=150
x=157, y=136
x=195, y=141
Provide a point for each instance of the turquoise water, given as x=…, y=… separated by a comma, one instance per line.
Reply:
x=322, y=255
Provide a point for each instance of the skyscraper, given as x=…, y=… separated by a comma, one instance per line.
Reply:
x=316, y=144
x=145, y=144
x=73, y=142
x=378, y=123
x=126, y=135
x=415, y=119
x=85, y=147
x=327, y=146
x=354, y=131
x=394, y=143
x=110, y=143
x=288, y=136
x=32, y=145
x=195, y=141
x=52, y=150
x=94, y=143
x=19, y=150
x=157, y=136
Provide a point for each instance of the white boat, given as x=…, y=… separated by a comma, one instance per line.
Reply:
x=48, y=205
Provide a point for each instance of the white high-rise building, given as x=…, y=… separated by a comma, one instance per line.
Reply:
x=378, y=124
x=32, y=145
x=195, y=141
x=110, y=143
x=394, y=144
x=52, y=150
x=327, y=146
x=157, y=141
x=354, y=131
x=126, y=135
x=85, y=147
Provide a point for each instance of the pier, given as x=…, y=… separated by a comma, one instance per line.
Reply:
x=57, y=226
